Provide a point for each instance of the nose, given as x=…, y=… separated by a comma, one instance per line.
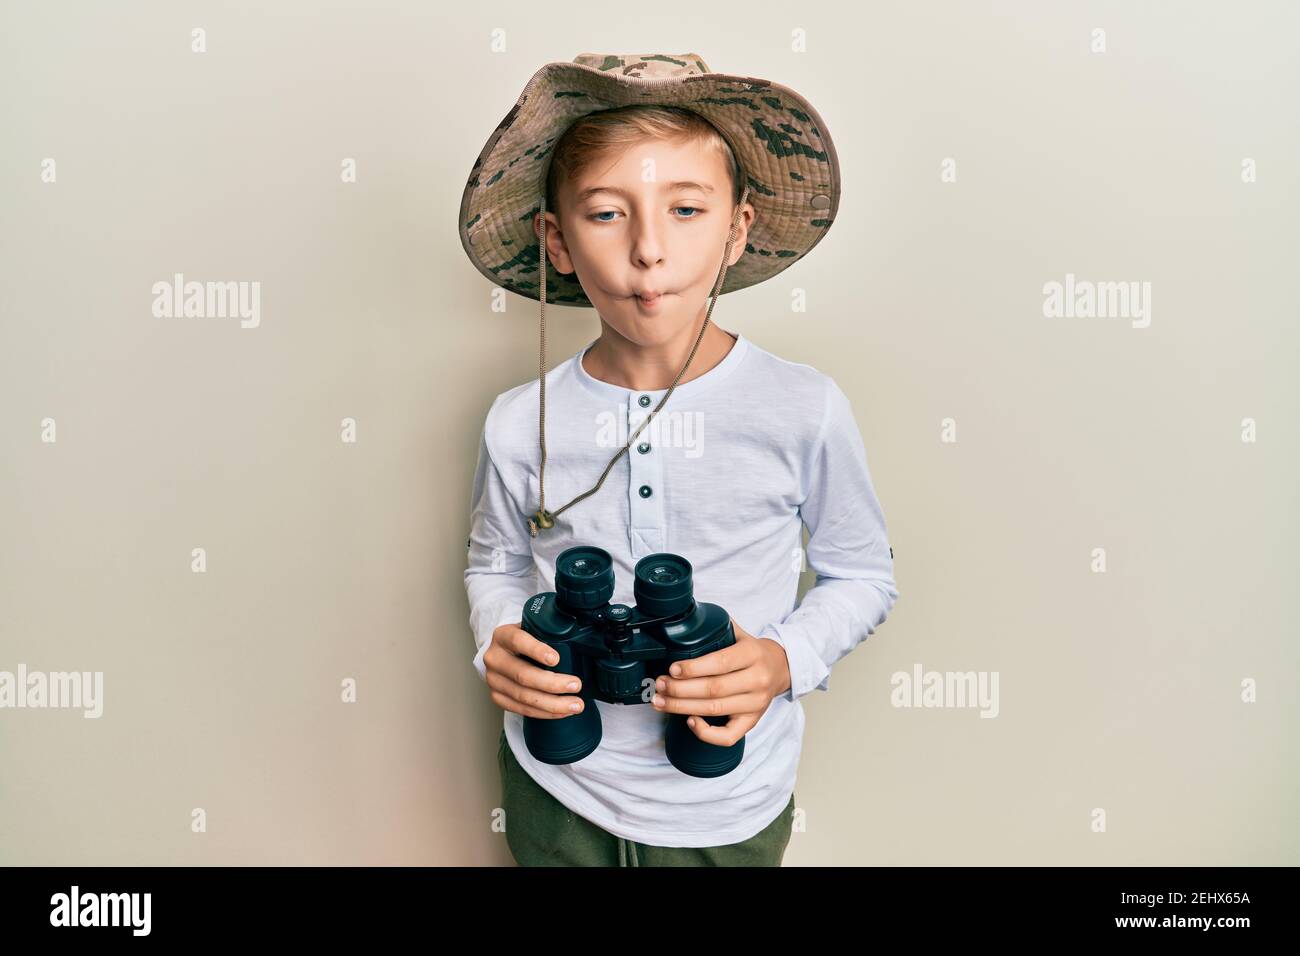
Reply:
x=647, y=243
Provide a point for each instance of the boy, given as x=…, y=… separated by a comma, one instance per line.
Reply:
x=648, y=163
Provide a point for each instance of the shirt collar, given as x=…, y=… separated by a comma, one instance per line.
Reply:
x=695, y=386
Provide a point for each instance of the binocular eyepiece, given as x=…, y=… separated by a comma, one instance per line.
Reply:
x=618, y=652
x=584, y=580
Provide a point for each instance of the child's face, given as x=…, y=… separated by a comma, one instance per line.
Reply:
x=634, y=236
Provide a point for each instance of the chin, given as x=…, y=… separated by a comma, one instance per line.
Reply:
x=649, y=327
x=659, y=331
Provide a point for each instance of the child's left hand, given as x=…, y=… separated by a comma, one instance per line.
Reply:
x=739, y=681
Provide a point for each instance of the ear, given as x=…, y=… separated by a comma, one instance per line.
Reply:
x=747, y=214
x=557, y=252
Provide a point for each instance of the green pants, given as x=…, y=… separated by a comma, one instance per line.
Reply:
x=541, y=831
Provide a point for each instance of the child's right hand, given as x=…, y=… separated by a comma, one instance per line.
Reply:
x=520, y=686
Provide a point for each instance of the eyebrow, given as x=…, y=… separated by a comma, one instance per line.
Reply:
x=684, y=184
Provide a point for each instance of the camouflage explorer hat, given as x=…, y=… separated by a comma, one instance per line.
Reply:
x=787, y=164
x=780, y=143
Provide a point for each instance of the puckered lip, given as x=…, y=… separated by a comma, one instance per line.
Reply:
x=649, y=294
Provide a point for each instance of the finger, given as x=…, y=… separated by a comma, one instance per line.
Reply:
x=526, y=675
x=733, y=657
x=711, y=707
x=521, y=642
x=722, y=685
x=512, y=705
x=728, y=733
x=718, y=662
x=553, y=704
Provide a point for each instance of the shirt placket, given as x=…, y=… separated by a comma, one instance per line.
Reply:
x=645, y=479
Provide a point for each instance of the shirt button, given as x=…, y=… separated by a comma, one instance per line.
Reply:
x=644, y=400
x=645, y=491
x=643, y=447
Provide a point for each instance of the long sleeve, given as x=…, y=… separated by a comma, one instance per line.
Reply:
x=500, y=575
x=848, y=548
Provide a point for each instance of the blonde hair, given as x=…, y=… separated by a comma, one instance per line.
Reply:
x=583, y=143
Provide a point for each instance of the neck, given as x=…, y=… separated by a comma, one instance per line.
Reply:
x=619, y=361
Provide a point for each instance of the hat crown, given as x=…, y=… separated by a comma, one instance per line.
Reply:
x=644, y=65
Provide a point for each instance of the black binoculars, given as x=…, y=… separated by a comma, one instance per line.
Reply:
x=618, y=652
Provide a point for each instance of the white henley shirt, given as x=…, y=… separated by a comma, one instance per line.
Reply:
x=726, y=475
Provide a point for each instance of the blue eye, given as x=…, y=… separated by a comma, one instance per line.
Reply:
x=595, y=216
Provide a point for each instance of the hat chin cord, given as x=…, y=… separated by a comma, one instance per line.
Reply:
x=542, y=519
